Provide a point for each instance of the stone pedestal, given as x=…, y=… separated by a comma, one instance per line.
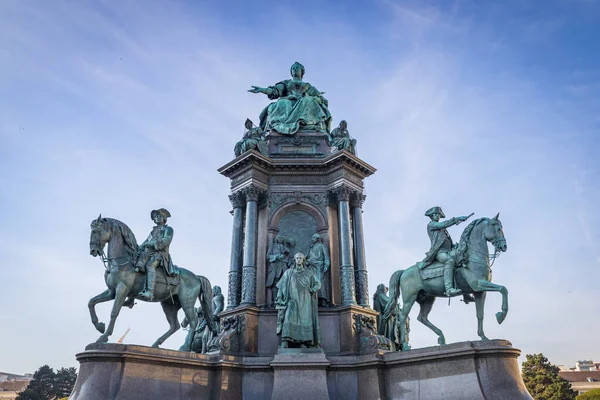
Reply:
x=459, y=371
x=300, y=374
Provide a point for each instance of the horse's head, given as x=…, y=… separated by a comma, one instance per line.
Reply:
x=493, y=233
x=99, y=236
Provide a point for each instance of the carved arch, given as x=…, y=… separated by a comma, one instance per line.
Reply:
x=308, y=208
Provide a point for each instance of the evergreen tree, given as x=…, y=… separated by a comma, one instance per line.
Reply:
x=40, y=387
x=542, y=380
x=49, y=385
x=64, y=382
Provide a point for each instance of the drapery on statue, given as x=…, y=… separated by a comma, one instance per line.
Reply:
x=154, y=252
x=442, y=248
x=299, y=106
x=297, y=316
x=473, y=277
x=254, y=138
x=279, y=259
x=340, y=138
x=389, y=328
x=317, y=257
x=125, y=281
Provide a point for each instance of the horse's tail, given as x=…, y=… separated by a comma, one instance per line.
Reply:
x=394, y=294
x=205, y=298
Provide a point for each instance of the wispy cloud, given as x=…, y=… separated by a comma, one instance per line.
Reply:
x=122, y=108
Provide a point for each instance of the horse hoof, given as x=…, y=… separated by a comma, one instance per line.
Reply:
x=484, y=338
x=155, y=345
x=500, y=317
x=100, y=327
x=185, y=348
x=441, y=341
x=405, y=346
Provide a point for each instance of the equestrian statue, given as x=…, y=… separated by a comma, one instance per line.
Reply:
x=147, y=273
x=449, y=270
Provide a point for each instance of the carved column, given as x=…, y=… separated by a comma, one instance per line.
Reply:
x=249, y=271
x=362, y=283
x=342, y=195
x=235, y=266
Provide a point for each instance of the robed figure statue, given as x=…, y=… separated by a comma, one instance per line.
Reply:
x=317, y=257
x=297, y=317
x=299, y=106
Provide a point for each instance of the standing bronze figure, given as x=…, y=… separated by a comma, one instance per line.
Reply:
x=415, y=284
x=298, y=320
x=124, y=282
x=317, y=257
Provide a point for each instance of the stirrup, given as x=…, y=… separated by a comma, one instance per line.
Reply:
x=144, y=294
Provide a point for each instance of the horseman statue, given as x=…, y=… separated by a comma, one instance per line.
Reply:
x=442, y=248
x=154, y=252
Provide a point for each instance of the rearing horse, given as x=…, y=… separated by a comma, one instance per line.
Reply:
x=474, y=277
x=124, y=282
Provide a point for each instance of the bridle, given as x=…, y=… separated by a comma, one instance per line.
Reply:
x=496, y=242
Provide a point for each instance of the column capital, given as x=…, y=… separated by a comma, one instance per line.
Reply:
x=252, y=193
x=237, y=199
x=341, y=193
x=357, y=199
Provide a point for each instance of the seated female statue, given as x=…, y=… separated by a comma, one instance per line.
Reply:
x=299, y=106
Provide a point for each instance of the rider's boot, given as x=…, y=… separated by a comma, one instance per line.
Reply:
x=148, y=293
x=449, y=279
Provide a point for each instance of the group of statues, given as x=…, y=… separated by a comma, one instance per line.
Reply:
x=296, y=286
x=280, y=259
x=298, y=106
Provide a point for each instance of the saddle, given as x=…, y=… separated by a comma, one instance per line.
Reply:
x=433, y=270
x=162, y=277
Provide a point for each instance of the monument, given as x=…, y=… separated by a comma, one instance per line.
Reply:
x=297, y=321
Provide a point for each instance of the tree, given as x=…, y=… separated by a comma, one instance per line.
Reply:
x=593, y=394
x=49, y=385
x=64, y=382
x=542, y=380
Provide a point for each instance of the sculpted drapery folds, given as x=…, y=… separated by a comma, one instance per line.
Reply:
x=279, y=259
x=317, y=257
x=297, y=321
x=253, y=139
x=299, y=106
x=341, y=140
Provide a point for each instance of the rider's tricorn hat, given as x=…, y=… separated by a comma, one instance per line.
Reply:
x=163, y=211
x=433, y=210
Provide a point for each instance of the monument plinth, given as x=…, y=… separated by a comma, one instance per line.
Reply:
x=298, y=322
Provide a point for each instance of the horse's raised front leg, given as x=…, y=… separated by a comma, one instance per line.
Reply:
x=105, y=296
x=170, y=310
x=119, y=296
x=487, y=286
x=479, y=309
x=426, y=306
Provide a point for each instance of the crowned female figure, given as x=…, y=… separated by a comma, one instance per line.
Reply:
x=299, y=106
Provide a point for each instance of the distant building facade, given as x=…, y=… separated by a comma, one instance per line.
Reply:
x=582, y=381
x=9, y=390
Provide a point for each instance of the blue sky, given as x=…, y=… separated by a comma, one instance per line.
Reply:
x=122, y=107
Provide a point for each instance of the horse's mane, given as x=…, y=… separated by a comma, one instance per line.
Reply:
x=464, y=237
x=126, y=233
